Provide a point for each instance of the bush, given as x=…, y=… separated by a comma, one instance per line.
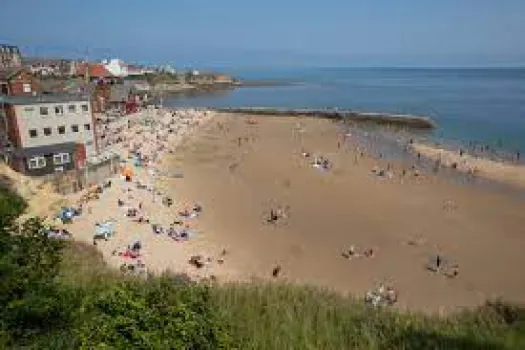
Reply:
x=41, y=308
x=158, y=315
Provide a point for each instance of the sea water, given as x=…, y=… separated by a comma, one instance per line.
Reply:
x=485, y=106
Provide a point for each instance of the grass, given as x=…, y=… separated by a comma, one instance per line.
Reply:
x=282, y=316
x=89, y=306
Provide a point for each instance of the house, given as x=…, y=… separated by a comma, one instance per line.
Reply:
x=94, y=72
x=135, y=71
x=222, y=79
x=18, y=82
x=10, y=57
x=46, y=67
x=49, y=133
x=116, y=67
x=167, y=69
x=124, y=99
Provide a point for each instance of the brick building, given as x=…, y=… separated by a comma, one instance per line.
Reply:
x=18, y=82
x=49, y=133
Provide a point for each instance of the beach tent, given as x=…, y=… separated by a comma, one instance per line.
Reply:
x=104, y=230
x=66, y=214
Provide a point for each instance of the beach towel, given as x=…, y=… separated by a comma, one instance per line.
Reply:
x=104, y=230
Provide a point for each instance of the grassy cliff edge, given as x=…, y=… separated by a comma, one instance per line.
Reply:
x=62, y=295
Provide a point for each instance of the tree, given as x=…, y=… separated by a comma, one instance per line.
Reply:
x=29, y=262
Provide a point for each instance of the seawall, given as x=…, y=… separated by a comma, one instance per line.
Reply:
x=402, y=120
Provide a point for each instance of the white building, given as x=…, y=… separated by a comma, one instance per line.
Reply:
x=50, y=133
x=167, y=69
x=116, y=67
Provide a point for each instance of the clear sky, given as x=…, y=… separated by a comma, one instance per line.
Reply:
x=226, y=33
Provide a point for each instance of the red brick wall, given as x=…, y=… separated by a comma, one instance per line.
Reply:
x=81, y=155
x=16, y=84
x=13, y=130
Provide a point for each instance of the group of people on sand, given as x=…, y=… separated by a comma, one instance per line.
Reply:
x=141, y=140
x=319, y=162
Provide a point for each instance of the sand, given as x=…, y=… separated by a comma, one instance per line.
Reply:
x=497, y=171
x=239, y=168
x=480, y=230
x=159, y=252
x=42, y=201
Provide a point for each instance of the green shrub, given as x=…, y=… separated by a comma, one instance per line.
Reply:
x=156, y=315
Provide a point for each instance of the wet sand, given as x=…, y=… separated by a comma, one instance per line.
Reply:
x=239, y=182
x=497, y=171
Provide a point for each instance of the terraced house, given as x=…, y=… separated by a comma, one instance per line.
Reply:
x=49, y=133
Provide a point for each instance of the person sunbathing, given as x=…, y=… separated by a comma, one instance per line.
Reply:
x=185, y=213
x=369, y=253
x=273, y=216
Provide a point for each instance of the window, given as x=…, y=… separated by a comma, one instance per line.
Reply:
x=72, y=108
x=85, y=108
x=74, y=128
x=44, y=111
x=59, y=110
x=27, y=87
x=61, y=158
x=37, y=162
x=28, y=111
x=47, y=131
x=87, y=127
x=33, y=133
x=61, y=129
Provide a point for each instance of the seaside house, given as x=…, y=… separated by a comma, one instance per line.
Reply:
x=95, y=72
x=222, y=79
x=124, y=99
x=45, y=67
x=167, y=69
x=137, y=71
x=10, y=57
x=48, y=133
x=18, y=82
x=116, y=67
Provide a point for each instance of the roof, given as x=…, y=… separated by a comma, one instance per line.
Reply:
x=52, y=85
x=94, y=70
x=119, y=93
x=45, y=61
x=43, y=150
x=79, y=86
x=52, y=98
x=7, y=73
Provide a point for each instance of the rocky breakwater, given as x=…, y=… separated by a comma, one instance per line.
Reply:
x=402, y=120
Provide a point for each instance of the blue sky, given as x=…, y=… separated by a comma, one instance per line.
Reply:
x=233, y=33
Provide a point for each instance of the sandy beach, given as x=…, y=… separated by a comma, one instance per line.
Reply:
x=405, y=220
x=358, y=223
